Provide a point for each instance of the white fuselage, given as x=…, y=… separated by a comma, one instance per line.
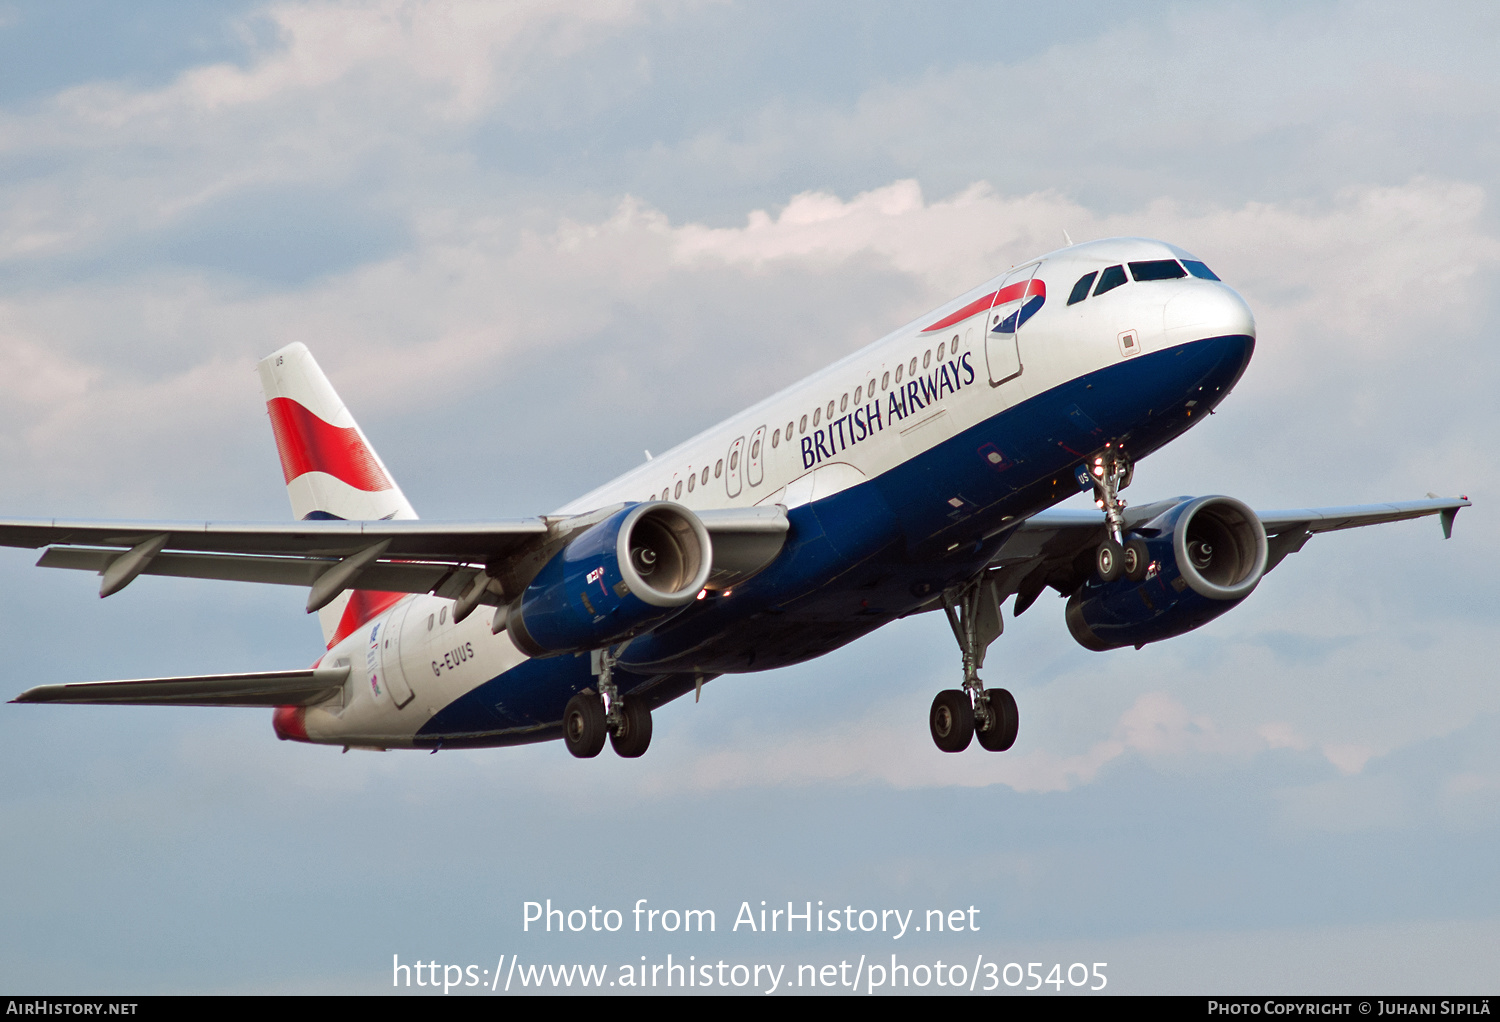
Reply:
x=859, y=418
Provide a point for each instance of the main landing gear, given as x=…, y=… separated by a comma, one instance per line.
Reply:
x=591, y=715
x=1111, y=471
x=960, y=715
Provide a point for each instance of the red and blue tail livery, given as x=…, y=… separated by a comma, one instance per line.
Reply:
x=308, y=444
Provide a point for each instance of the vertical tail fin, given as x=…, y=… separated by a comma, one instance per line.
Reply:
x=331, y=470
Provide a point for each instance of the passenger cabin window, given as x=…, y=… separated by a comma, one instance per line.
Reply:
x=941, y=348
x=789, y=432
x=926, y=358
x=692, y=481
x=776, y=438
x=718, y=468
x=830, y=411
x=678, y=492
x=885, y=381
x=1081, y=289
x=1110, y=279
x=817, y=417
x=802, y=426
x=1157, y=269
x=1198, y=270
x=705, y=475
x=844, y=403
x=443, y=616
x=858, y=393
x=898, y=374
x=871, y=388
x=911, y=370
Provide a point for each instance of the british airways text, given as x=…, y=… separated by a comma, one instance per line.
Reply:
x=862, y=423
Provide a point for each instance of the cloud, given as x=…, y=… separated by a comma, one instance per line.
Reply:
x=1156, y=726
x=524, y=250
x=464, y=57
x=381, y=92
x=480, y=294
x=1213, y=104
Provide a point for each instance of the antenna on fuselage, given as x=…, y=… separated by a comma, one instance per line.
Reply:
x=1066, y=238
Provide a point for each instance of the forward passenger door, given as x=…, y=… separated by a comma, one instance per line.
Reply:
x=1014, y=304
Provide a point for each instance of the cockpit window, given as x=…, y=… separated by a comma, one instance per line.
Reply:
x=1157, y=269
x=1198, y=270
x=1110, y=279
x=1081, y=289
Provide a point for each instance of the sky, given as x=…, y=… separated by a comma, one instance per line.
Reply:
x=529, y=241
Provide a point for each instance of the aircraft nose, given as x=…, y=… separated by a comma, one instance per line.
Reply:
x=1206, y=310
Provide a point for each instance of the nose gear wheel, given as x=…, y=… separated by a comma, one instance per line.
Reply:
x=1110, y=471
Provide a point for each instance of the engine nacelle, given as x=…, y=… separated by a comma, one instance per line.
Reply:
x=617, y=579
x=1205, y=556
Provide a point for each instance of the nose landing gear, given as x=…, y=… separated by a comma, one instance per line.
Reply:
x=590, y=716
x=1110, y=471
x=960, y=715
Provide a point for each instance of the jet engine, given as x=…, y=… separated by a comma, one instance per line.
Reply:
x=618, y=578
x=1188, y=565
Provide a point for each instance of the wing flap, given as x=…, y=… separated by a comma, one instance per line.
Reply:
x=404, y=577
x=425, y=540
x=264, y=688
x=443, y=558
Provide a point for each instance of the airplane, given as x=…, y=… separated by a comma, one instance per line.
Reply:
x=917, y=474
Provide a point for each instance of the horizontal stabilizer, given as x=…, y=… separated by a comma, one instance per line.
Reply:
x=263, y=688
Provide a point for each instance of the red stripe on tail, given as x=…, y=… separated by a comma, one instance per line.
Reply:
x=308, y=444
x=364, y=605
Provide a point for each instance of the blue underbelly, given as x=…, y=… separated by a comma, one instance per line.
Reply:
x=877, y=551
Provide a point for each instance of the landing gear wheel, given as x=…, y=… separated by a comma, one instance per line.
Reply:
x=633, y=735
x=1109, y=561
x=1005, y=721
x=952, y=720
x=1137, y=557
x=583, y=725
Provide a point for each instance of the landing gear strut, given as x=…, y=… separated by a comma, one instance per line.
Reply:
x=1110, y=471
x=960, y=715
x=591, y=715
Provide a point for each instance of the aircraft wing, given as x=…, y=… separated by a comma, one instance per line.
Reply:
x=1056, y=547
x=266, y=688
x=444, y=558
